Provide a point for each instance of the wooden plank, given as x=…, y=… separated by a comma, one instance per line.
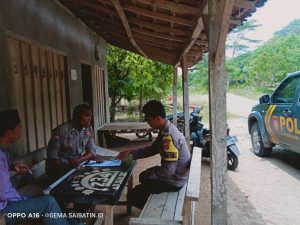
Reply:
x=99, y=221
x=152, y=221
x=195, y=35
x=157, y=27
x=156, y=205
x=2, y=219
x=124, y=126
x=125, y=23
x=109, y=215
x=187, y=212
x=51, y=90
x=17, y=91
x=98, y=90
x=168, y=212
x=28, y=94
x=217, y=90
x=151, y=34
x=102, y=95
x=174, y=6
x=185, y=91
x=63, y=80
x=180, y=202
x=146, y=205
x=193, y=186
x=155, y=15
x=244, y=4
x=45, y=94
x=174, y=110
x=38, y=104
x=223, y=30
x=193, y=213
x=58, y=97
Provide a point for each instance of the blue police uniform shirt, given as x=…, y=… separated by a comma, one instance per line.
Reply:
x=67, y=142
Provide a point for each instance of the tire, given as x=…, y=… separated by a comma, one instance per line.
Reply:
x=232, y=160
x=142, y=134
x=257, y=144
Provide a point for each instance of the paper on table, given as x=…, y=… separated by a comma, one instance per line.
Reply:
x=107, y=163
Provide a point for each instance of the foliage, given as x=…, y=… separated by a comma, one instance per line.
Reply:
x=198, y=76
x=261, y=69
x=292, y=28
x=132, y=77
x=269, y=64
x=237, y=41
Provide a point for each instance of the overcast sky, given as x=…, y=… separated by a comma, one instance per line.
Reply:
x=273, y=16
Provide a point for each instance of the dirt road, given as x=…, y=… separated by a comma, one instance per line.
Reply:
x=261, y=190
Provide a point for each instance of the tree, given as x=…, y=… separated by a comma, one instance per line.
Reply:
x=237, y=40
x=132, y=77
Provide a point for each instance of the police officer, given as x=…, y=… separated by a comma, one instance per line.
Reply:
x=172, y=174
x=71, y=143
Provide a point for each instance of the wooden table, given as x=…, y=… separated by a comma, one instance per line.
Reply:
x=123, y=127
x=94, y=186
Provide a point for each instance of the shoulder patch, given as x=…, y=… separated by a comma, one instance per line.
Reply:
x=169, y=151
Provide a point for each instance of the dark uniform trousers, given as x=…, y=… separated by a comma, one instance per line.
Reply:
x=138, y=196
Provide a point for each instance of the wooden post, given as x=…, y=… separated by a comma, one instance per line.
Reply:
x=219, y=15
x=109, y=215
x=185, y=94
x=174, y=110
x=2, y=219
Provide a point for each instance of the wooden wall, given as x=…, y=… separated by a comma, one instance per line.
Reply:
x=38, y=77
x=40, y=44
x=99, y=77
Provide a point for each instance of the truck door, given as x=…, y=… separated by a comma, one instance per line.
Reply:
x=282, y=119
x=296, y=113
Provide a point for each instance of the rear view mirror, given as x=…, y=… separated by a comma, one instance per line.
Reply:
x=264, y=99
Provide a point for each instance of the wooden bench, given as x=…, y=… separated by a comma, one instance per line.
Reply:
x=172, y=208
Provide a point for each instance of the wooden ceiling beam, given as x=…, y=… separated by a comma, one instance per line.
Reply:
x=157, y=27
x=224, y=24
x=123, y=18
x=159, y=35
x=173, y=6
x=156, y=15
x=244, y=4
x=235, y=21
x=144, y=38
x=196, y=33
x=157, y=45
x=202, y=43
x=95, y=7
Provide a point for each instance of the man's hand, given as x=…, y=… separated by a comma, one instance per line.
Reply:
x=123, y=154
x=21, y=168
x=74, y=162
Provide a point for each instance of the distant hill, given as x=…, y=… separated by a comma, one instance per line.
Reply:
x=292, y=28
x=262, y=68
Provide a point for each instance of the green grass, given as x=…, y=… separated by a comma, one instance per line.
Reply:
x=196, y=100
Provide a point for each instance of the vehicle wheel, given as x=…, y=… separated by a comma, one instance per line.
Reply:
x=257, y=145
x=232, y=160
x=142, y=134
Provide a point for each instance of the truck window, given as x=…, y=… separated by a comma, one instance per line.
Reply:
x=285, y=93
